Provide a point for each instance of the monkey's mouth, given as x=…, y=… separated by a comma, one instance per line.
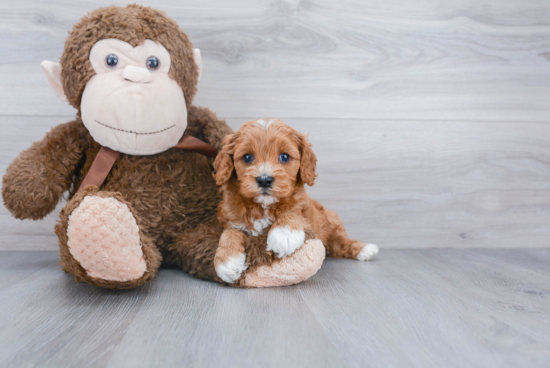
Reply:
x=137, y=133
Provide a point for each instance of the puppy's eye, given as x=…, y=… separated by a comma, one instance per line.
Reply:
x=284, y=157
x=153, y=63
x=111, y=60
x=248, y=158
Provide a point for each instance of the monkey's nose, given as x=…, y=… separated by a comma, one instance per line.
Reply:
x=136, y=74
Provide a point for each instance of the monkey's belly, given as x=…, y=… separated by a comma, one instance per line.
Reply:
x=170, y=192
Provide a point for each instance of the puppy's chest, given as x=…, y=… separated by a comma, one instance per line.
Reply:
x=259, y=226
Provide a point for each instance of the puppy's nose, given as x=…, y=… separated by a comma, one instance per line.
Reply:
x=264, y=181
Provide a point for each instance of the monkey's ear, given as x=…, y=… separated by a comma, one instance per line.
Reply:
x=52, y=71
x=198, y=60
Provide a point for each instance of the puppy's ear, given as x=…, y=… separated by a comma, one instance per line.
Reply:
x=223, y=164
x=308, y=161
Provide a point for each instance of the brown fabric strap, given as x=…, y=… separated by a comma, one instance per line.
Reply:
x=193, y=144
x=100, y=168
x=106, y=157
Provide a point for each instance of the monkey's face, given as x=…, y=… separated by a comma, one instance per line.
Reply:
x=131, y=94
x=131, y=104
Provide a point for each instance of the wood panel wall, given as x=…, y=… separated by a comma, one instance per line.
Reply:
x=430, y=119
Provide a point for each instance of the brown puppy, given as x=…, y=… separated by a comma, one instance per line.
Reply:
x=262, y=169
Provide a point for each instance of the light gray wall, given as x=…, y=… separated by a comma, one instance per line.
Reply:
x=430, y=119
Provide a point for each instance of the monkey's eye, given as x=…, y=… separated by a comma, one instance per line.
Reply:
x=284, y=157
x=111, y=60
x=153, y=63
x=248, y=158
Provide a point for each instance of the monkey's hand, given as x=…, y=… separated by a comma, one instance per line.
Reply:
x=205, y=125
x=35, y=181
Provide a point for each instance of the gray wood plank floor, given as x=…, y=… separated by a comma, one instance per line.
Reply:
x=408, y=308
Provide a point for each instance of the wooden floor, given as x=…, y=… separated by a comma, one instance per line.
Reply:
x=408, y=308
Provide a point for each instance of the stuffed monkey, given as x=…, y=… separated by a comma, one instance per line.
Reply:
x=135, y=201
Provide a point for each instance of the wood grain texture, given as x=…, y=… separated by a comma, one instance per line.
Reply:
x=430, y=120
x=460, y=60
x=420, y=184
x=408, y=308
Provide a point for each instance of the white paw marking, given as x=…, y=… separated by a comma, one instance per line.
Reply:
x=284, y=241
x=230, y=270
x=368, y=251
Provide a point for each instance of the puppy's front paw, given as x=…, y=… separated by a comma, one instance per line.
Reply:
x=230, y=270
x=368, y=251
x=283, y=241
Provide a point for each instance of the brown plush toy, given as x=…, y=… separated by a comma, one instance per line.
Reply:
x=136, y=201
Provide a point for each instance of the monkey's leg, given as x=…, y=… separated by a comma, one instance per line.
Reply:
x=195, y=251
x=290, y=270
x=101, y=243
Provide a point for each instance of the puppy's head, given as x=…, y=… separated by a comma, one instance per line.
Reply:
x=268, y=159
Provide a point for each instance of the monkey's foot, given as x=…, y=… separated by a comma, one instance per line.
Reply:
x=104, y=239
x=101, y=242
x=298, y=267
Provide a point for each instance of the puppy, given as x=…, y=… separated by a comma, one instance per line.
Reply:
x=262, y=169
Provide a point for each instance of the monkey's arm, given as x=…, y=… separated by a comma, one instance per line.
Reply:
x=35, y=181
x=205, y=125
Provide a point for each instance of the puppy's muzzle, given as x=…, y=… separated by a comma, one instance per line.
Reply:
x=264, y=181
